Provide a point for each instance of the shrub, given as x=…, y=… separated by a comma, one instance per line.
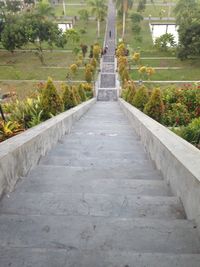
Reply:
x=76, y=94
x=84, y=49
x=93, y=62
x=73, y=68
x=96, y=51
x=68, y=97
x=88, y=75
x=88, y=88
x=25, y=112
x=191, y=133
x=81, y=93
x=130, y=89
x=50, y=100
x=125, y=75
x=176, y=115
x=155, y=107
x=136, y=57
x=141, y=98
x=9, y=129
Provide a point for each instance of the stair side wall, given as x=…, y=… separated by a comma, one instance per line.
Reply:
x=178, y=160
x=19, y=154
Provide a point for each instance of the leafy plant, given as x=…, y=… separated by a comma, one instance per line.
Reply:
x=155, y=107
x=81, y=93
x=68, y=97
x=176, y=115
x=50, y=100
x=191, y=133
x=140, y=98
x=9, y=129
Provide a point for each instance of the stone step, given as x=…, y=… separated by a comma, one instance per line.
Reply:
x=99, y=233
x=107, y=95
x=109, y=58
x=120, y=173
x=105, y=205
x=73, y=257
x=107, y=80
x=134, y=163
x=75, y=154
x=110, y=258
x=47, y=181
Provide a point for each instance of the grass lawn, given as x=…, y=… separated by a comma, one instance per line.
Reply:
x=71, y=11
x=163, y=75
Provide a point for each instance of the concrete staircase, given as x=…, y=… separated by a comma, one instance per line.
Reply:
x=107, y=86
x=96, y=200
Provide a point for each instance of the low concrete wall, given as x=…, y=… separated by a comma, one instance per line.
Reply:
x=21, y=153
x=178, y=161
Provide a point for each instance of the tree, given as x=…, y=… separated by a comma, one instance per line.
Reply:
x=186, y=11
x=165, y=42
x=39, y=30
x=141, y=5
x=124, y=6
x=72, y=35
x=99, y=10
x=188, y=18
x=13, y=35
x=84, y=49
x=84, y=15
x=44, y=10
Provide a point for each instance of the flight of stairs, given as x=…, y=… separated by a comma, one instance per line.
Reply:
x=96, y=200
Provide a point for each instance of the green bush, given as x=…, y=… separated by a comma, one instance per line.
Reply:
x=88, y=88
x=140, y=98
x=130, y=90
x=155, y=107
x=176, y=115
x=191, y=133
x=81, y=93
x=76, y=94
x=69, y=98
x=50, y=100
x=88, y=75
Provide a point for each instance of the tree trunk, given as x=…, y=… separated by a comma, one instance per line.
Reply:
x=98, y=28
x=64, y=10
x=124, y=24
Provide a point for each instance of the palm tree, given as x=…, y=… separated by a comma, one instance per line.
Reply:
x=44, y=9
x=124, y=6
x=99, y=10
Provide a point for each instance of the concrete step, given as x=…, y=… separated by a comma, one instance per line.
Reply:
x=113, y=143
x=119, y=172
x=106, y=205
x=97, y=155
x=107, y=81
x=109, y=58
x=134, y=163
x=90, y=258
x=107, y=94
x=112, y=258
x=49, y=182
x=99, y=233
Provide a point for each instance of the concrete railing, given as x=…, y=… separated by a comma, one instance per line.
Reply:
x=21, y=153
x=178, y=161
